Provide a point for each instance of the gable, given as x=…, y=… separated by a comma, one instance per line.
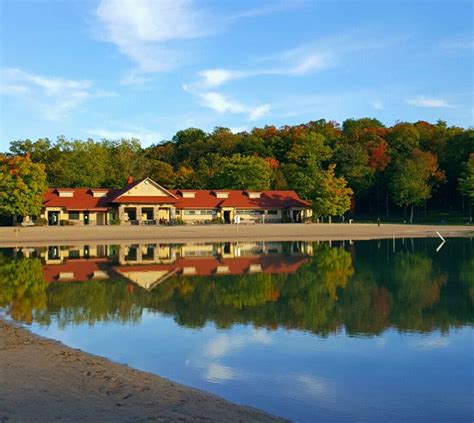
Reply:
x=146, y=188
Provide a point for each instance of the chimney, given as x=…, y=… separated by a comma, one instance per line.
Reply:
x=129, y=180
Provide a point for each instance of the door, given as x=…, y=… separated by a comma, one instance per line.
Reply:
x=53, y=218
x=227, y=216
x=86, y=218
x=296, y=216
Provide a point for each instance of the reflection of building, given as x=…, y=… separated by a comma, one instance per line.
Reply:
x=148, y=265
x=146, y=202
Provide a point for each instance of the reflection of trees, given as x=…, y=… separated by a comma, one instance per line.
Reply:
x=466, y=275
x=417, y=286
x=408, y=290
x=304, y=299
x=91, y=302
x=22, y=287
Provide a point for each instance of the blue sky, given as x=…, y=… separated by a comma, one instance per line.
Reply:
x=145, y=69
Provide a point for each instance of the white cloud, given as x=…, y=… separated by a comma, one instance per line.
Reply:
x=466, y=44
x=145, y=136
x=378, y=105
x=428, y=102
x=54, y=97
x=141, y=28
x=305, y=59
x=222, y=104
x=216, y=77
x=238, y=129
x=292, y=63
x=265, y=9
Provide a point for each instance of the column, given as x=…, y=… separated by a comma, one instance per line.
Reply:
x=138, y=212
x=121, y=214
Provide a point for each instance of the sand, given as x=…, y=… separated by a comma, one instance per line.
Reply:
x=44, y=381
x=37, y=236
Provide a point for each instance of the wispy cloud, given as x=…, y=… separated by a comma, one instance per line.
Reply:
x=223, y=104
x=54, y=97
x=147, y=32
x=378, y=105
x=461, y=44
x=146, y=136
x=266, y=9
x=290, y=63
x=142, y=29
x=305, y=59
x=428, y=102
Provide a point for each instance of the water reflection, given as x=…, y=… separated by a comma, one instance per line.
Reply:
x=364, y=288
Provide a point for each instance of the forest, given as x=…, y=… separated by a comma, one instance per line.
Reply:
x=361, y=167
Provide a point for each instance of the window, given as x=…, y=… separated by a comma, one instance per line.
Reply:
x=199, y=212
x=73, y=215
x=272, y=212
x=250, y=212
x=74, y=254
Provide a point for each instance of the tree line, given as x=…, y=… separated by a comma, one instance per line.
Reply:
x=360, y=166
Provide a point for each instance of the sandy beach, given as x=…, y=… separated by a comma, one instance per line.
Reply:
x=37, y=236
x=44, y=381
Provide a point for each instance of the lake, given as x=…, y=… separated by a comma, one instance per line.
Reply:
x=333, y=332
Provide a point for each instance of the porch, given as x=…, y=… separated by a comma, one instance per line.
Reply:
x=146, y=214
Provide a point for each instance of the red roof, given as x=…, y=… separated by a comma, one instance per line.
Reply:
x=145, y=199
x=240, y=199
x=83, y=199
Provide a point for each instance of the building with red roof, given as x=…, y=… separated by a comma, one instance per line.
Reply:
x=147, y=202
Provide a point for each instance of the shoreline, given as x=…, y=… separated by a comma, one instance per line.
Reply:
x=47, y=235
x=44, y=380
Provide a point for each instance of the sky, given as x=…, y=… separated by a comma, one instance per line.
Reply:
x=148, y=68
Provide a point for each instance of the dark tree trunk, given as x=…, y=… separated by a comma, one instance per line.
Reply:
x=386, y=205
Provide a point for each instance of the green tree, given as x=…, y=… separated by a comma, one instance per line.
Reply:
x=466, y=183
x=403, y=138
x=22, y=185
x=413, y=178
x=332, y=196
x=242, y=172
x=308, y=149
x=353, y=163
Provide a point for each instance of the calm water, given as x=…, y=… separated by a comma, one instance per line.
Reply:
x=365, y=331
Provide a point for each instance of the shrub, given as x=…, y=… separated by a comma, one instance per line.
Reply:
x=178, y=221
x=65, y=222
x=217, y=220
x=41, y=221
